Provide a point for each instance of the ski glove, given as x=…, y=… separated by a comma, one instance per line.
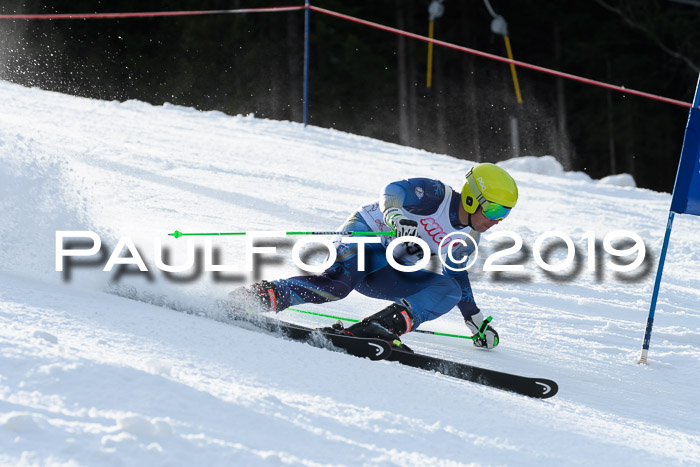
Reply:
x=485, y=336
x=404, y=227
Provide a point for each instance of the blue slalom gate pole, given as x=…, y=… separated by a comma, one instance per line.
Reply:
x=655, y=293
x=306, y=62
x=685, y=200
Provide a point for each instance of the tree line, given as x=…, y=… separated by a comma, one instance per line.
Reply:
x=373, y=83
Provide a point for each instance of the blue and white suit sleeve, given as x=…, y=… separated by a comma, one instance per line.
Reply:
x=466, y=304
x=416, y=195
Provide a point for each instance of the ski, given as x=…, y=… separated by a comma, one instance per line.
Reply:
x=374, y=349
x=377, y=349
x=540, y=388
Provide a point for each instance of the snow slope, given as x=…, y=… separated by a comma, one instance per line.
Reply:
x=100, y=369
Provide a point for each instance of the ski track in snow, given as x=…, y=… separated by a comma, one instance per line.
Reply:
x=88, y=377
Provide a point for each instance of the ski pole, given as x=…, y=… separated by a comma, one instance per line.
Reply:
x=178, y=234
x=435, y=333
x=324, y=316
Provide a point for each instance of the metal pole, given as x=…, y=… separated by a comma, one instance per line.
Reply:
x=429, y=80
x=655, y=294
x=435, y=333
x=178, y=234
x=516, y=85
x=514, y=136
x=306, y=62
x=435, y=10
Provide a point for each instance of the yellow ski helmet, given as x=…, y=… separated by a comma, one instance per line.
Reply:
x=490, y=187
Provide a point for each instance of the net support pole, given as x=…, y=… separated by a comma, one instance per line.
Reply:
x=306, y=61
x=513, y=73
x=429, y=75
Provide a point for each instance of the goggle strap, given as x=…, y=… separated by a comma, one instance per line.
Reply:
x=474, y=189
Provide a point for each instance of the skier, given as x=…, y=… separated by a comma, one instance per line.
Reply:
x=419, y=207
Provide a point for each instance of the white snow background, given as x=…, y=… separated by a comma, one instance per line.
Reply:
x=140, y=369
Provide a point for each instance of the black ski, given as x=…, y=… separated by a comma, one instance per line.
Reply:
x=377, y=349
x=533, y=387
x=374, y=349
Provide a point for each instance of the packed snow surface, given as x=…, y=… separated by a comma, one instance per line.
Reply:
x=140, y=368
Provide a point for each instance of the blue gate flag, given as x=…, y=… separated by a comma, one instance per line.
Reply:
x=685, y=199
x=686, y=191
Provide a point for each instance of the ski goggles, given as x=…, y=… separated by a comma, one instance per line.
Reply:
x=494, y=211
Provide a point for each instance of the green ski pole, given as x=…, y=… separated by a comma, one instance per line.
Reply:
x=178, y=234
x=435, y=333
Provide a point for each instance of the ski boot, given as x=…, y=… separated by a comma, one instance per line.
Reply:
x=259, y=297
x=387, y=324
